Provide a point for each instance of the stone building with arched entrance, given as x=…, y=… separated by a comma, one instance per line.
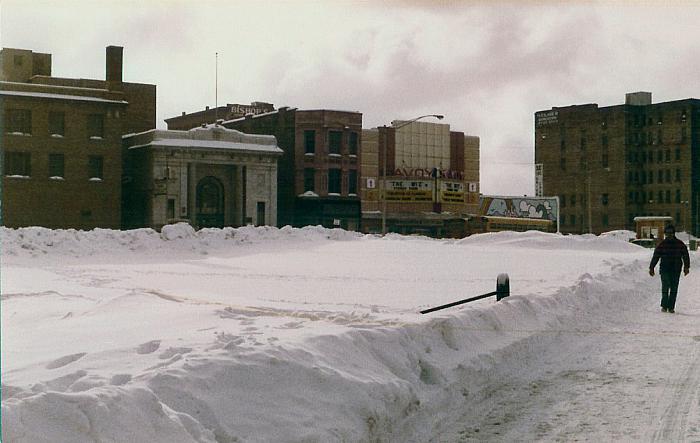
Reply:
x=208, y=176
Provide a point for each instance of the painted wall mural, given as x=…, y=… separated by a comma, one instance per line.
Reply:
x=546, y=208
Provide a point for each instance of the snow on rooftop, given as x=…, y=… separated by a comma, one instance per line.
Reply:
x=212, y=144
x=61, y=97
x=208, y=137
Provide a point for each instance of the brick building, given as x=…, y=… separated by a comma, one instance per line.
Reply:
x=611, y=164
x=317, y=180
x=207, y=176
x=209, y=116
x=61, y=141
x=432, y=178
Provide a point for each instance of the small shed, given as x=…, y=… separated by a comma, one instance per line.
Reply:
x=651, y=227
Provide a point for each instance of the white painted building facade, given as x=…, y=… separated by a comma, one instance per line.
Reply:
x=208, y=176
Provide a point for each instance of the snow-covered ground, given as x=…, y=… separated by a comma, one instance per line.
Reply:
x=314, y=335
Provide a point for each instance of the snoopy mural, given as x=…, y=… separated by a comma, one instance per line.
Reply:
x=545, y=208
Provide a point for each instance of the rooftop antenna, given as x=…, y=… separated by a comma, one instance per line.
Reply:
x=216, y=91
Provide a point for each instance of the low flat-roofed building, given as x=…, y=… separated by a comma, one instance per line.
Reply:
x=208, y=176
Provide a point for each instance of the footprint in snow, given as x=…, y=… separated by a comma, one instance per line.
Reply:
x=170, y=352
x=291, y=325
x=120, y=379
x=148, y=347
x=65, y=360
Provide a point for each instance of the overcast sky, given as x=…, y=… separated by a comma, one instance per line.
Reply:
x=487, y=66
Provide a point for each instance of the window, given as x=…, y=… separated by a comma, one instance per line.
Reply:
x=651, y=177
x=678, y=154
x=95, y=125
x=18, y=163
x=659, y=156
x=18, y=121
x=171, y=208
x=660, y=176
x=668, y=155
x=562, y=201
x=605, y=220
x=334, y=141
x=334, y=181
x=56, y=165
x=57, y=123
x=309, y=141
x=668, y=196
x=678, y=195
x=668, y=176
x=95, y=167
x=352, y=145
x=573, y=200
x=352, y=181
x=678, y=175
x=309, y=179
x=573, y=219
x=684, y=134
x=604, y=199
x=660, y=197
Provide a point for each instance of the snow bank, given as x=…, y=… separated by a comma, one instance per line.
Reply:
x=225, y=348
x=38, y=241
x=549, y=241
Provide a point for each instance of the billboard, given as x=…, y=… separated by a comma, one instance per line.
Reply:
x=546, y=208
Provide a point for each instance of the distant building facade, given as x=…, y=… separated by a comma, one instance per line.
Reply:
x=207, y=176
x=318, y=174
x=61, y=141
x=209, y=116
x=432, y=178
x=611, y=164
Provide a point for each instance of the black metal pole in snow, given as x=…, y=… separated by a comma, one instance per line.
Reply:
x=502, y=291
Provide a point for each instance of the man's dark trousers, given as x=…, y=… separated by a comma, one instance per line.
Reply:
x=669, y=289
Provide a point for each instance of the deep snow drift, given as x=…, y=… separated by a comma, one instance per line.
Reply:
x=265, y=334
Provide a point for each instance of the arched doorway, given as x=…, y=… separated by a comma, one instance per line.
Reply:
x=210, y=203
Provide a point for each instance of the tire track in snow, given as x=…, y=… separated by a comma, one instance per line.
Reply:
x=684, y=392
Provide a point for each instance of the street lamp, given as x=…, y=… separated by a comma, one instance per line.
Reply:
x=406, y=123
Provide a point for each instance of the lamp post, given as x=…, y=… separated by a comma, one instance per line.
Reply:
x=406, y=123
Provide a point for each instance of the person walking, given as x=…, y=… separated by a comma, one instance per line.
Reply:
x=673, y=255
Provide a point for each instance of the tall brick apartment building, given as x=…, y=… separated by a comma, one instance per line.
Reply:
x=611, y=164
x=61, y=141
x=317, y=179
x=432, y=178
